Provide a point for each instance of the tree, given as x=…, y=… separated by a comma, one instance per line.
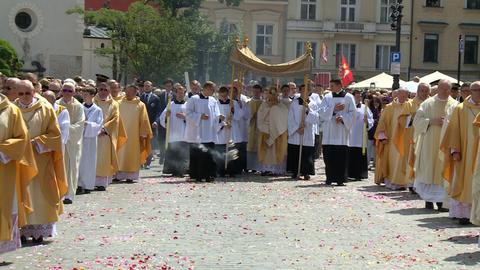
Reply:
x=175, y=5
x=9, y=62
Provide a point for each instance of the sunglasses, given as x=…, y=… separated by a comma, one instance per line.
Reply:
x=67, y=91
x=24, y=93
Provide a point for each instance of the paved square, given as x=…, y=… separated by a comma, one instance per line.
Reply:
x=251, y=222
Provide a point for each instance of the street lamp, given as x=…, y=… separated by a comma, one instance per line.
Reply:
x=396, y=16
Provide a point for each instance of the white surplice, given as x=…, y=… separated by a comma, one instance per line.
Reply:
x=199, y=130
x=356, y=132
x=176, y=132
x=236, y=132
x=294, y=118
x=88, y=162
x=337, y=133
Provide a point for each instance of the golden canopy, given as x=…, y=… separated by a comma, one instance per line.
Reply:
x=243, y=57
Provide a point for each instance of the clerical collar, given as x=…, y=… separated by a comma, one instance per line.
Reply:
x=300, y=101
x=26, y=106
x=224, y=102
x=359, y=105
x=87, y=105
x=179, y=101
x=202, y=96
x=342, y=93
x=291, y=98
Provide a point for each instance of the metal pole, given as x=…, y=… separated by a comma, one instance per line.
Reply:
x=459, y=57
x=396, y=77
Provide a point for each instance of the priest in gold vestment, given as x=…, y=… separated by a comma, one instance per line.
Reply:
x=475, y=213
x=251, y=113
x=139, y=133
x=272, y=124
x=389, y=164
x=49, y=185
x=428, y=123
x=17, y=169
x=111, y=138
x=458, y=146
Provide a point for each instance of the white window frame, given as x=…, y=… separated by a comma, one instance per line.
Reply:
x=315, y=50
x=274, y=36
x=356, y=13
x=347, y=57
x=309, y=4
x=392, y=47
x=379, y=17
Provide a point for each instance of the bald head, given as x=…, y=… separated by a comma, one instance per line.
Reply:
x=10, y=88
x=402, y=95
x=475, y=91
x=25, y=91
x=444, y=89
x=50, y=96
x=423, y=91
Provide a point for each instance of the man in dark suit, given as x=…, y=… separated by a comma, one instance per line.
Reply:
x=153, y=105
x=163, y=97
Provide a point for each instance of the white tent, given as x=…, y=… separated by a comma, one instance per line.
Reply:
x=435, y=76
x=411, y=86
x=382, y=80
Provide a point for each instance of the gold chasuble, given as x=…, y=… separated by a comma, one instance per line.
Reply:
x=252, y=145
x=139, y=133
x=460, y=136
x=475, y=215
x=108, y=145
x=389, y=160
x=49, y=186
x=18, y=173
x=272, y=124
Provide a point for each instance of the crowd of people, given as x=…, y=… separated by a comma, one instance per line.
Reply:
x=63, y=138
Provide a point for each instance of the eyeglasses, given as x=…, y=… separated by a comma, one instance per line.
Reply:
x=102, y=89
x=67, y=91
x=24, y=93
x=7, y=88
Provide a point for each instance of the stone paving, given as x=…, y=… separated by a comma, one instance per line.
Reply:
x=251, y=222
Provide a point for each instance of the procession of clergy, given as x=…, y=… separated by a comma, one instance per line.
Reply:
x=53, y=147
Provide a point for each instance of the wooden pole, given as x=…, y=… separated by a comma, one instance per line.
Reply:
x=229, y=119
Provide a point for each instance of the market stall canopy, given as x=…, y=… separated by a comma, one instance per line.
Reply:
x=243, y=57
x=382, y=80
x=436, y=76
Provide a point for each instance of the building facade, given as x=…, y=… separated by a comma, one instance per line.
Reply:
x=437, y=26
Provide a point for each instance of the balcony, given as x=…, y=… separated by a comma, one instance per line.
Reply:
x=304, y=25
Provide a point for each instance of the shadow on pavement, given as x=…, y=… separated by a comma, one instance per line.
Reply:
x=414, y=211
x=463, y=239
x=466, y=258
x=319, y=185
x=440, y=223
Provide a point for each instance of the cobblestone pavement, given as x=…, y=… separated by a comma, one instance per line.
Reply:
x=251, y=222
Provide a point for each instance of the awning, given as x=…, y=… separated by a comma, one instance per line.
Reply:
x=434, y=77
x=382, y=81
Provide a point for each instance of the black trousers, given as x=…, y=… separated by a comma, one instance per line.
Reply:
x=161, y=136
x=357, y=163
x=176, y=158
x=242, y=154
x=335, y=158
x=202, y=161
x=307, y=166
x=234, y=167
x=318, y=146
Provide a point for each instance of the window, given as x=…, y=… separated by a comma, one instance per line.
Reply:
x=347, y=50
x=430, y=48
x=347, y=10
x=301, y=50
x=264, y=39
x=433, y=3
x=385, y=10
x=471, y=50
x=308, y=9
x=473, y=4
x=382, y=56
x=23, y=20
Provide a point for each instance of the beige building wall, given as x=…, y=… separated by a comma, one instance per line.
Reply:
x=247, y=16
x=448, y=22
x=91, y=62
x=366, y=32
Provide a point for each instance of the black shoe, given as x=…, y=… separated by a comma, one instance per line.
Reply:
x=198, y=180
x=440, y=208
x=429, y=205
x=340, y=184
x=23, y=239
x=328, y=183
x=130, y=181
x=464, y=221
x=402, y=189
x=306, y=177
x=79, y=191
x=39, y=240
x=264, y=174
x=210, y=179
x=115, y=180
x=67, y=201
x=101, y=188
x=146, y=167
x=87, y=191
x=412, y=190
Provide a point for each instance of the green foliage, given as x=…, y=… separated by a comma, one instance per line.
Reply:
x=174, y=5
x=153, y=44
x=9, y=63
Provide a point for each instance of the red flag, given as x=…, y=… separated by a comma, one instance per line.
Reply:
x=344, y=73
